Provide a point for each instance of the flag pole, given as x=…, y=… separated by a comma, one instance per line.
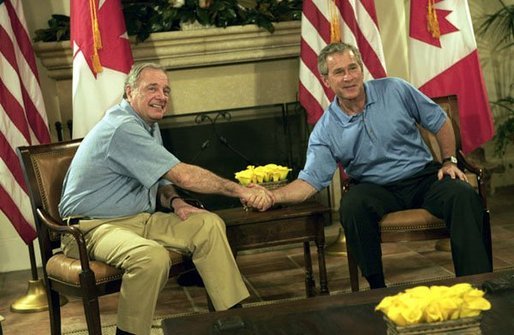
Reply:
x=35, y=300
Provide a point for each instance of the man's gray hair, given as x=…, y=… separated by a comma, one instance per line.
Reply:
x=332, y=48
x=135, y=72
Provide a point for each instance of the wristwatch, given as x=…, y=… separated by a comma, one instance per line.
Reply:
x=451, y=159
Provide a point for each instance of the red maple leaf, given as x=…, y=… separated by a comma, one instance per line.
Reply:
x=419, y=22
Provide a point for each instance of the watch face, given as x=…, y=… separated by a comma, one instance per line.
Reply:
x=451, y=159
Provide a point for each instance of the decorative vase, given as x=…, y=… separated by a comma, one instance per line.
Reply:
x=464, y=326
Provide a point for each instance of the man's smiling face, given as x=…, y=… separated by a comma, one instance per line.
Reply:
x=345, y=76
x=149, y=98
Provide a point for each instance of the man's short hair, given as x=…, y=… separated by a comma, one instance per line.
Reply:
x=135, y=72
x=337, y=47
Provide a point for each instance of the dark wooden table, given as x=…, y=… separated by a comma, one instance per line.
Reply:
x=351, y=313
x=299, y=223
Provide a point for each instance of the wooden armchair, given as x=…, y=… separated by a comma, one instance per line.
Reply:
x=419, y=224
x=44, y=169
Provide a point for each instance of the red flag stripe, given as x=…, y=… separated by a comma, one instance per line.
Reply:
x=23, y=118
x=311, y=103
x=369, y=5
x=14, y=110
x=12, y=212
x=369, y=56
x=317, y=19
x=29, y=76
x=310, y=59
x=22, y=38
x=8, y=154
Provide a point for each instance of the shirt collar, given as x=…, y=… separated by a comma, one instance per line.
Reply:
x=128, y=108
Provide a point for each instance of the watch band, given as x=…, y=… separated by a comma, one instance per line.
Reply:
x=451, y=159
x=171, y=201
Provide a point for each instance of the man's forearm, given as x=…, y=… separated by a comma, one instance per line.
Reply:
x=294, y=192
x=197, y=179
x=446, y=140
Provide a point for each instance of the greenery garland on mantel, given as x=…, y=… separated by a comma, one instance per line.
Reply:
x=145, y=17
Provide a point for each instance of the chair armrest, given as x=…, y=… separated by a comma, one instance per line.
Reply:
x=60, y=228
x=479, y=172
x=468, y=165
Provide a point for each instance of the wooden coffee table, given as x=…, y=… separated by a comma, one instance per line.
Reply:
x=348, y=314
x=299, y=223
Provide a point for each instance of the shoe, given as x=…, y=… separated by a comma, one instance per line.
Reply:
x=122, y=332
x=190, y=278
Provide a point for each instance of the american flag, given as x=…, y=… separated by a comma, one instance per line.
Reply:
x=325, y=21
x=22, y=115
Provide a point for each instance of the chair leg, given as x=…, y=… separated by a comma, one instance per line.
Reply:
x=90, y=302
x=210, y=306
x=309, y=278
x=487, y=237
x=353, y=270
x=54, y=310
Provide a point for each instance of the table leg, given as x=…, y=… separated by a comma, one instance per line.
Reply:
x=323, y=281
x=309, y=278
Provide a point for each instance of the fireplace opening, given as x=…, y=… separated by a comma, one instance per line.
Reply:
x=227, y=141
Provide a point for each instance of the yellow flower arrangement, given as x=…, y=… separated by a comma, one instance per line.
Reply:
x=262, y=174
x=424, y=304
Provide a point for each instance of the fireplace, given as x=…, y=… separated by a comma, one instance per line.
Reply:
x=227, y=141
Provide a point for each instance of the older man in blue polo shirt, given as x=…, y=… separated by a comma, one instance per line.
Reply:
x=120, y=172
x=370, y=129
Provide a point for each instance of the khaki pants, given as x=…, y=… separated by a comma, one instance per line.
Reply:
x=138, y=244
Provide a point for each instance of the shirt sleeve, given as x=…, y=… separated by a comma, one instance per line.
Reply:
x=135, y=153
x=320, y=164
x=426, y=112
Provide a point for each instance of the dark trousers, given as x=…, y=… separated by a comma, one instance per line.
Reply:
x=452, y=200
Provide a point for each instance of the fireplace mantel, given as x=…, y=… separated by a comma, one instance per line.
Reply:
x=193, y=48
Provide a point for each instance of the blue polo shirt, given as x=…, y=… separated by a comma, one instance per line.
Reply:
x=380, y=145
x=117, y=168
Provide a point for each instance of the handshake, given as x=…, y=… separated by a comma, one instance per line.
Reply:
x=258, y=197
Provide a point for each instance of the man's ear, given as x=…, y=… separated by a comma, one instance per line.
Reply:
x=324, y=79
x=128, y=91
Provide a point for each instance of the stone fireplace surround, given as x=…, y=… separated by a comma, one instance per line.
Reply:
x=209, y=69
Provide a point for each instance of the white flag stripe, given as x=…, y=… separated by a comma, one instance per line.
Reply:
x=16, y=192
x=323, y=7
x=10, y=79
x=315, y=87
x=13, y=135
x=313, y=40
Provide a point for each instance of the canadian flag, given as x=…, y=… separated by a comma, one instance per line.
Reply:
x=444, y=61
x=101, y=60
